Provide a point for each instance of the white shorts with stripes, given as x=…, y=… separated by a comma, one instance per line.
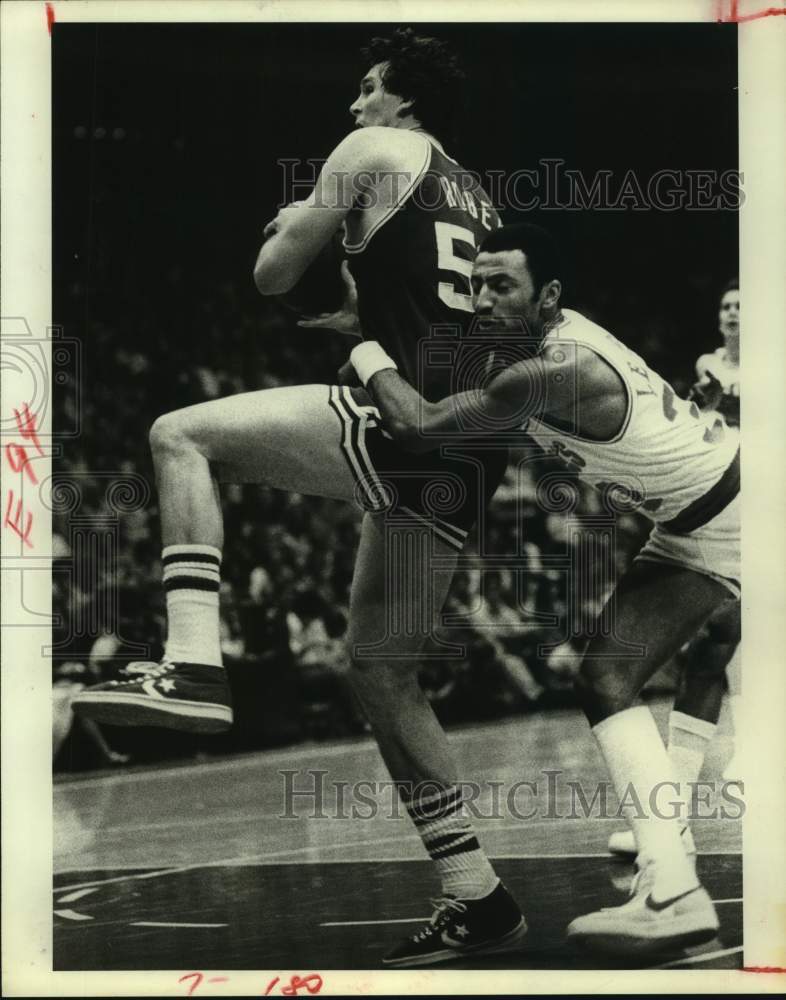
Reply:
x=713, y=549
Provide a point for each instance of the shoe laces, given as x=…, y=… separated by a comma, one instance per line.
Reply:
x=444, y=908
x=149, y=670
x=645, y=875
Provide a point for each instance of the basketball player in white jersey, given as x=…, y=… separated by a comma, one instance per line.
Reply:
x=619, y=426
x=413, y=220
x=714, y=655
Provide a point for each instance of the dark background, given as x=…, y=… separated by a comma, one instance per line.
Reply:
x=206, y=110
x=165, y=147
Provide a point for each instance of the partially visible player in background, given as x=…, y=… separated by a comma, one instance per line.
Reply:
x=69, y=679
x=711, y=663
x=413, y=220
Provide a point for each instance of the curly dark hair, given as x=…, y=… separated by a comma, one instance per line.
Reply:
x=422, y=70
x=538, y=245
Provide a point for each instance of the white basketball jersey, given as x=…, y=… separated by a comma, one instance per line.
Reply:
x=667, y=454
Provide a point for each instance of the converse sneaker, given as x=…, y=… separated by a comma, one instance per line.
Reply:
x=462, y=927
x=192, y=697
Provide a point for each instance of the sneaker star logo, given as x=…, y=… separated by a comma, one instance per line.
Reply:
x=461, y=930
x=167, y=685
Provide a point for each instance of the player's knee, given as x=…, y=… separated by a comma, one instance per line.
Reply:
x=381, y=673
x=168, y=434
x=724, y=629
x=602, y=692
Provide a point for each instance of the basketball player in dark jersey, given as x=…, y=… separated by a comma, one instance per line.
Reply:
x=413, y=220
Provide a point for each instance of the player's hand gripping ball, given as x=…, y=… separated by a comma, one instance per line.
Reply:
x=345, y=319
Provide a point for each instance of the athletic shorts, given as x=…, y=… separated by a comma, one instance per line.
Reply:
x=713, y=549
x=446, y=490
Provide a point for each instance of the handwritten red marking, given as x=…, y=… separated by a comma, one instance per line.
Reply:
x=312, y=983
x=14, y=524
x=26, y=424
x=15, y=453
x=764, y=968
x=18, y=460
x=734, y=16
x=50, y=17
x=196, y=976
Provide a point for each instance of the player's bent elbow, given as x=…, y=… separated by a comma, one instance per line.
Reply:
x=271, y=280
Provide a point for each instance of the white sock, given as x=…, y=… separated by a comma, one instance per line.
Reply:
x=192, y=580
x=447, y=835
x=689, y=738
x=638, y=765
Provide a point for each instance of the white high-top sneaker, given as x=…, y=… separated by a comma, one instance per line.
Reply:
x=623, y=842
x=645, y=925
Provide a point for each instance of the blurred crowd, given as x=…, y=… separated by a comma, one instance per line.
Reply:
x=288, y=558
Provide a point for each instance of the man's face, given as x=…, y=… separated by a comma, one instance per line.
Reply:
x=502, y=289
x=374, y=105
x=729, y=314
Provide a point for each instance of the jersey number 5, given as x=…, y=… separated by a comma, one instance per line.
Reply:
x=447, y=235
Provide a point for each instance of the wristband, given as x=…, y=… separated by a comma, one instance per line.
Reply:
x=369, y=358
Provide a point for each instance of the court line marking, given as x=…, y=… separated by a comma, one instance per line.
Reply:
x=73, y=896
x=260, y=860
x=486, y=823
x=695, y=959
x=162, y=923
x=72, y=915
x=423, y=920
x=220, y=764
x=313, y=751
x=368, y=923
x=414, y=837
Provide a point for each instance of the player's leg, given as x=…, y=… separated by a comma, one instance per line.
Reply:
x=288, y=438
x=395, y=603
x=658, y=606
x=693, y=720
x=735, y=768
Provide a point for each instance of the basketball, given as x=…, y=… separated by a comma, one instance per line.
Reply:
x=321, y=288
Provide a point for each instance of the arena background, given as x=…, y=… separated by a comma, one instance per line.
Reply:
x=165, y=147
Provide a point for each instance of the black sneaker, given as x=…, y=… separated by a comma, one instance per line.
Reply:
x=462, y=927
x=192, y=697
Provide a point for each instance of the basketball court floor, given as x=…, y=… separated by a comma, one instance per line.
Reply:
x=198, y=866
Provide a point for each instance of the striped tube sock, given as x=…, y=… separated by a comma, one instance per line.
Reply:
x=191, y=581
x=450, y=840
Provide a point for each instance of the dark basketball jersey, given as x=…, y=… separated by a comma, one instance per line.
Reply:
x=412, y=270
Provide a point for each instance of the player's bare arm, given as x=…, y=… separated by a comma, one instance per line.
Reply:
x=299, y=231
x=569, y=383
